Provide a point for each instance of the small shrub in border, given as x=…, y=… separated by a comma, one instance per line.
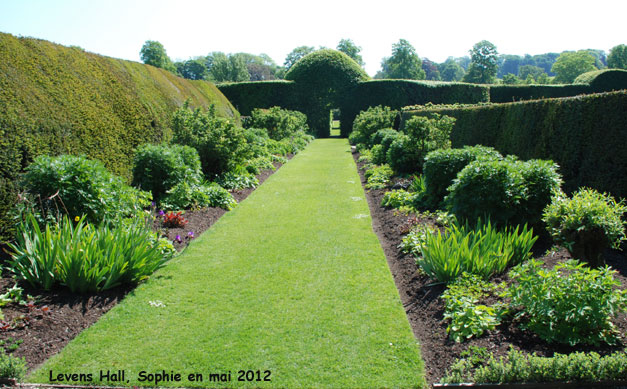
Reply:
x=468, y=317
x=581, y=305
x=280, y=123
x=586, y=224
x=368, y=122
x=194, y=196
x=158, y=168
x=378, y=177
x=83, y=186
x=518, y=367
x=11, y=367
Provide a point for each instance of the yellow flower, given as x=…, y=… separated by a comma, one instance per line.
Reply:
x=77, y=218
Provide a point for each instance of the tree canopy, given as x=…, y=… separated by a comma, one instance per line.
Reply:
x=483, y=63
x=153, y=53
x=297, y=54
x=349, y=48
x=618, y=57
x=571, y=64
x=403, y=64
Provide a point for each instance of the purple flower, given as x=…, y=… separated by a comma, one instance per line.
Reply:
x=178, y=238
x=191, y=234
x=161, y=213
x=153, y=204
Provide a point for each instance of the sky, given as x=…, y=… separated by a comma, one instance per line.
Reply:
x=437, y=28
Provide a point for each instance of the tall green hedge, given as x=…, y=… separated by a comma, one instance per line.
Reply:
x=57, y=100
x=585, y=135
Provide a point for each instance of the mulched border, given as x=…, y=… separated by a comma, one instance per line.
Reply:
x=425, y=310
x=59, y=315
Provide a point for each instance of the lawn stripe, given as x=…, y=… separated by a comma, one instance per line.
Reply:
x=293, y=281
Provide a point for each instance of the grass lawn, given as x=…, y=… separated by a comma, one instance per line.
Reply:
x=291, y=285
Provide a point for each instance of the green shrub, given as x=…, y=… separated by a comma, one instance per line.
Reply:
x=378, y=154
x=414, y=241
x=368, y=122
x=424, y=134
x=397, y=199
x=158, y=168
x=442, y=166
x=586, y=224
x=256, y=165
x=518, y=367
x=280, y=123
x=467, y=317
x=197, y=195
x=84, y=187
x=278, y=148
x=506, y=191
x=569, y=304
x=12, y=367
x=482, y=250
x=82, y=256
x=220, y=143
x=256, y=142
x=378, y=177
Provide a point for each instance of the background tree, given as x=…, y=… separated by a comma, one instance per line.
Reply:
x=571, y=64
x=226, y=68
x=618, y=57
x=432, y=72
x=153, y=53
x=511, y=79
x=404, y=63
x=260, y=67
x=451, y=70
x=295, y=55
x=349, y=48
x=193, y=69
x=483, y=63
x=529, y=70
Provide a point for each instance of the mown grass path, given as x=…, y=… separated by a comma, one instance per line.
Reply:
x=293, y=282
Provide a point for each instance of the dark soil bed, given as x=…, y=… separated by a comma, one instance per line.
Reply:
x=58, y=316
x=425, y=308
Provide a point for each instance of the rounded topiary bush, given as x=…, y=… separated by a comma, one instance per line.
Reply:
x=441, y=167
x=507, y=191
x=158, y=168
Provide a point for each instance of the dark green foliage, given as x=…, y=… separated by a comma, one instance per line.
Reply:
x=324, y=78
x=403, y=64
x=509, y=93
x=483, y=63
x=220, y=142
x=604, y=80
x=59, y=100
x=424, y=134
x=618, y=57
x=279, y=123
x=581, y=305
x=518, y=367
x=507, y=191
x=587, y=224
x=80, y=186
x=440, y=168
x=153, y=53
x=247, y=96
x=158, y=168
x=563, y=130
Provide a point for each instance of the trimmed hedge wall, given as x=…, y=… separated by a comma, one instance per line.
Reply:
x=63, y=100
x=352, y=98
x=246, y=96
x=592, y=82
x=585, y=135
x=400, y=93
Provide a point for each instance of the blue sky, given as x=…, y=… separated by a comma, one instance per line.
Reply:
x=437, y=29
